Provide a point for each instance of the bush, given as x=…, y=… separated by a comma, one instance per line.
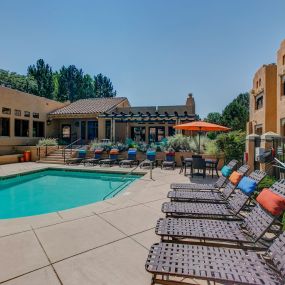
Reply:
x=179, y=142
x=232, y=144
x=48, y=142
x=266, y=182
x=212, y=148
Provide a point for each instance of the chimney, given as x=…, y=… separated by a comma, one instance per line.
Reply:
x=190, y=103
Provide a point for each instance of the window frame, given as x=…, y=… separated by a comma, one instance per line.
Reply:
x=36, y=129
x=1, y=127
x=21, y=134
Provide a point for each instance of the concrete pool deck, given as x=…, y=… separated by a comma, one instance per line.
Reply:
x=101, y=243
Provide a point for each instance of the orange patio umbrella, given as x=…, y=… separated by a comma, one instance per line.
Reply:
x=201, y=126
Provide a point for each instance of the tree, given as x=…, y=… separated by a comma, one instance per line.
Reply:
x=70, y=83
x=103, y=86
x=214, y=117
x=232, y=144
x=87, y=88
x=236, y=114
x=17, y=81
x=43, y=75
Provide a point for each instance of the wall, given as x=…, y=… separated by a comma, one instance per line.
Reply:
x=264, y=82
x=280, y=98
x=17, y=100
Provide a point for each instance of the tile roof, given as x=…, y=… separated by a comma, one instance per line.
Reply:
x=90, y=106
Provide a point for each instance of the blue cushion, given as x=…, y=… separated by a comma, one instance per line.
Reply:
x=247, y=185
x=226, y=171
x=132, y=151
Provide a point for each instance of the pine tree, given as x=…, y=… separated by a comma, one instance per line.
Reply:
x=44, y=77
x=103, y=86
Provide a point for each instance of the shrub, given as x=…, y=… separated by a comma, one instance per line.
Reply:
x=179, y=142
x=212, y=148
x=232, y=144
x=48, y=142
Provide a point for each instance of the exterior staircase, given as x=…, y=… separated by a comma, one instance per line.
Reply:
x=56, y=157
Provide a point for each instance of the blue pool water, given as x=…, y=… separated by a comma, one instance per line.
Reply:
x=54, y=190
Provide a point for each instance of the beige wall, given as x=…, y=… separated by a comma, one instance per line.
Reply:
x=280, y=97
x=17, y=100
x=264, y=82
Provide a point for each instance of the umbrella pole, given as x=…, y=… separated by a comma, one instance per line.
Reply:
x=199, y=142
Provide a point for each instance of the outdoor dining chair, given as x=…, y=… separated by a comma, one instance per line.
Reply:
x=198, y=186
x=199, y=164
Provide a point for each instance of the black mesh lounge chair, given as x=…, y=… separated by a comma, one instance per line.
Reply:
x=113, y=158
x=229, y=210
x=211, y=196
x=95, y=160
x=246, y=233
x=169, y=261
x=169, y=162
x=80, y=156
x=196, y=186
x=131, y=160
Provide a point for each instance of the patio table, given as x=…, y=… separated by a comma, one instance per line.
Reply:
x=188, y=163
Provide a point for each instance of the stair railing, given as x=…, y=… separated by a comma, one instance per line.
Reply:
x=70, y=146
x=39, y=148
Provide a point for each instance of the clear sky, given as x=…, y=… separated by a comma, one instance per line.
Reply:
x=154, y=51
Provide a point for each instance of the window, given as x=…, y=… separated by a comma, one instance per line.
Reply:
x=83, y=130
x=21, y=128
x=66, y=131
x=4, y=127
x=36, y=115
x=92, y=127
x=108, y=129
x=156, y=134
x=6, y=111
x=256, y=85
x=138, y=134
x=283, y=61
x=258, y=129
x=259, y=82
x=171, y=131
x=283, y=85
x=27, y=114
x=259, y=102
x=17, y=113
x=38, y=129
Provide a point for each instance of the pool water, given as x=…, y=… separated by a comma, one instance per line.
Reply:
x=54, y=190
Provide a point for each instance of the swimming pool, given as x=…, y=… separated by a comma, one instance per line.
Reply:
x=54, y=190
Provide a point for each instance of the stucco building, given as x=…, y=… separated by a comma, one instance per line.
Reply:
x=281, y=89
x=263, y=101
x=26, y=118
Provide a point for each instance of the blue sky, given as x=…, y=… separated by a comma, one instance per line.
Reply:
x=154, y=51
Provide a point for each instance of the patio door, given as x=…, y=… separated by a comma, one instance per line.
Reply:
x=92, y=130
x=66, y=133
x=156, y=134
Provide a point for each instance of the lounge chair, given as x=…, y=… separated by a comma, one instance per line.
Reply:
x=81, y=155
x=95, y=160
x=170, y=261
x=248, y=231
x=229, y=210
x=113, y=158
x=215, y=186
x=131, y=160
x=169, y=161
x=150, y=159
x=212, y=196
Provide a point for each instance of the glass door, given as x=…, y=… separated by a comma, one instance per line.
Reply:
x=92, y=130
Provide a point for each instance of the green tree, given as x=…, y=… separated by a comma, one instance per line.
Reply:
x=214, y=117
x=103, y=86
x=232, y=144
x=70, y=83
x=236, y=114
x=16, y=81
x=87, y=88
x=44, y=77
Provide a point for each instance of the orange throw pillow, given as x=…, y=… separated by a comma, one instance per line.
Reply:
x=235, y=177
x=272, y=202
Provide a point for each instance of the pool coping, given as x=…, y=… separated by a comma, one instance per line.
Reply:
x=60, y=168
